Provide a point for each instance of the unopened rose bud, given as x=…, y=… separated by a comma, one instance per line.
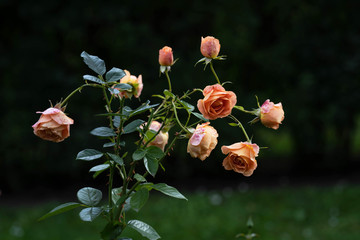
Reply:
x=166, y=57
x=210, y=47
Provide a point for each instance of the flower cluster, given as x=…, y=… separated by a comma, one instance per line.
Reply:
x=153, y=133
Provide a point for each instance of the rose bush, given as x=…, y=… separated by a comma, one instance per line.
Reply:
x=153, y=125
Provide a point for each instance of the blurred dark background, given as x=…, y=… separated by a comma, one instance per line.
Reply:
x=305, y=54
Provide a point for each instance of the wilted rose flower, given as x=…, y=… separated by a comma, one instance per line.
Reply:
x=241, y=157
x=161, y=139
x=210, y=47
x=53, y=125
x=135, y=82
x=217, y=102
x=166, y=57
x=271, y=115
x=203, y=141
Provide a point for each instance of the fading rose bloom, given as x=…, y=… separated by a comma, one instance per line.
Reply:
x=210, y=47
x=203, y=141
x=241, y=157
x=53, y=125
x=135, y=82
x=271, y=115
x=166, y=57
x=161, y=139
x=217, y=102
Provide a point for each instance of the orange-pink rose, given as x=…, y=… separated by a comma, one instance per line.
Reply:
x=203, y=141
x=161, y=139
x=241, y=157
x=217, y=102
x=135, y=82
x=210, y=47
x=166, y=57
x=53, y=125
x=271, y=115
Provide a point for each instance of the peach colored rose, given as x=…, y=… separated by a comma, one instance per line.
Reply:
x=166, y=57
x=161, y=139
x=135, y=82
x=210, y=47
x=53, y=125
x=271, y=115
x=203, y=141
x=217, y=102
x=241, y=157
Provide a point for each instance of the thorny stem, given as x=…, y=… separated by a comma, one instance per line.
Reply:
x=76, y=90
x=177, y=118
x=213, y=71
x=241, y=126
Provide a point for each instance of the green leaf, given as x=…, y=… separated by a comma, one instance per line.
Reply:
x=89, y=214
x=144, y=107
x=168, y=93
x=109, y=144
x=159, y=96
x=123, y=86
x=187, y=106
x=168, y=190
x=150, y=134
x=115, y=194
x=116, y=121
x=132, y=127
x=127, y=111
x=116, y=158
x=89, y=196
x=103, y=132
x=98, y=173
x=139, y=177
x=60, y=209
x=239, y=108
x=200, y=116
x=118, y=200
x=89, y=155
x=100, y=167
x=154, y=152
x=144, y=229
x=139, y=198
x=114, y=74
x=113, y=91
x=151, y=165
x=93, y=79
x=111, y=231
x=233, y=124
x=138, y=154
x=94, y=63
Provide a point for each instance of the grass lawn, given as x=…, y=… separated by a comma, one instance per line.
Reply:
x=284, y=213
